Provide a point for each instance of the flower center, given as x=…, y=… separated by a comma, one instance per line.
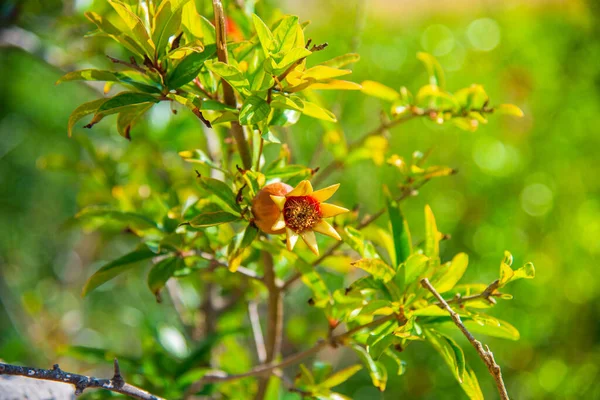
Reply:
x=301, y=213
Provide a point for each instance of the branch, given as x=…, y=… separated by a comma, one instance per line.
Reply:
x=483, y=351
x=81, y=382
x=261, y=370
x=275, y=319
x=259, y=340
x=236, y=128
x=488, y=294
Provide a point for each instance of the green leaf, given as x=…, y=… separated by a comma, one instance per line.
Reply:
x=507, y=274
x=189, y=67
x=376, y=89
x=213, y=218
x=288, y=172
x=356, y=240
x=492, y=327
x=133, y=220
x=342, y=61
x=135, y=25
x=197, y=26
x=277, y=64
x=254, y=110
x=285, y=33
x=434, y=70
x=376, y=370
x=83, y=110
x=109, y=29
x=377, y=268
x=470, y=384
x=128, y=117
x=313, y=280
x=124, y=99
x=222, y=192
x=509, y=109
x=313, y=110
x=401, y=364
x=400, y=232
x=450, y=352
x=229, y=73
x=341, y=376
x=450, y=276
x=200, y=157
x=265, y=36
x=250, y=234
x=167, y=21
x=472, y=97
x=432, y=236
x=415, y=267
x=116, y=267
x=161, y=272
x=323, y=72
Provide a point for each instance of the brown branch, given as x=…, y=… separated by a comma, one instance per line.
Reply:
x=229, y=97
x=484, y=351
x=274, y=321
x=265, y=369
x=259, y=340
x=80, y=382
x=488, y=294
x=133, y=64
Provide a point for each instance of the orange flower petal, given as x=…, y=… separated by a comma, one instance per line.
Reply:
x=311, y=241
x=324, y=194
x=302, y=189
x=326, y=229
x=279, y=201
x=330, y=210
x=292, y=238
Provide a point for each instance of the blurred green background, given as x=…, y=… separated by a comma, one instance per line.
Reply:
x=527, y=185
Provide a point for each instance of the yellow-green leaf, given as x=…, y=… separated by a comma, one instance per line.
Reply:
x=377, y=268
x=509, y=109
x=213, y=218
x=376, y=89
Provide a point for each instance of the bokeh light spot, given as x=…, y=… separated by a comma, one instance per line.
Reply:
x=537, y=199
x=438, y=40
x=484, y=34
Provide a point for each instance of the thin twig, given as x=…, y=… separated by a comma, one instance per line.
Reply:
x=133, y=64
x=261, y=351
x=80, y=382
x=483, y=351
x=488, y=294
x=219, y=376
x=229, y=97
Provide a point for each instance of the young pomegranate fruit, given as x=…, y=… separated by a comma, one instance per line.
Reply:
x=297, y=212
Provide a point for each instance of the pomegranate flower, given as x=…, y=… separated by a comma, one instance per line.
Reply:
x=301, y=213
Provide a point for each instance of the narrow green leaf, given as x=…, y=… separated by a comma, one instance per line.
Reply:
x=229, y=73
x=376, y=371
x=133, y=220
x=376, y=89
x=135, y=25
x=285, y=33
x=160, y=274
x=106, y=27
x=167, y=22
x=342, y=61
x=83, y=110
x=125, y=99
x=401, y=364
x=323, y=72
x=341, y=376
x=470, y=384
x=116, y=267
x=492, y=327
x=313, y=110
x=254, y=110
x=189, y=67
x=415, y=267
x=450, y=276
x=250, y=234
x=432, y=241
x=265, y=36
x=221, y=191
x=127, y=118
x=400, y=234
x=509, y=109
x=434, y=70
x=450, y=352
x=377, y=268
x=213, y=218
x=313, y=280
